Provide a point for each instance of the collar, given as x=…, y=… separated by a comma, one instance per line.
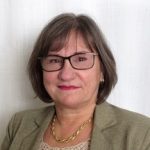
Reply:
x=104, y=116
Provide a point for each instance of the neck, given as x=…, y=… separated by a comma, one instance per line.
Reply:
x=77, y=115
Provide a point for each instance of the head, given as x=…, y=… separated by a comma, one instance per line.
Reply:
x=54, y=37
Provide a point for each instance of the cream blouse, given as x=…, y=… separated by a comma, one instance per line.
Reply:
x=80, y=146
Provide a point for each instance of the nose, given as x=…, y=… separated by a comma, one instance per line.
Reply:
x=67, y=73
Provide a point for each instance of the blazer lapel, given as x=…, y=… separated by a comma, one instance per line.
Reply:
x=34, y=137
x=99, y=142
x=104, y=118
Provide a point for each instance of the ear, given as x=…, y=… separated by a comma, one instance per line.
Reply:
x=101, y=77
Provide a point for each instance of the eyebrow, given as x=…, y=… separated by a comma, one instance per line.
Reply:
x=82, y=52
x=76, y=52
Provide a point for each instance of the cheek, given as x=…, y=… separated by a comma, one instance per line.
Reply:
x=91, y=79
x=48, y=79
x=95, y=80
x=95, y=77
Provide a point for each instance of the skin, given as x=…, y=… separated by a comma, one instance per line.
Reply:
x=74, y=92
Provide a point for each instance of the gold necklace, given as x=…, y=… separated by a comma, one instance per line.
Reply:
x=71, y=137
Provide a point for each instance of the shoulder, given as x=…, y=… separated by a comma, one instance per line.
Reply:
x=27, y=117
x=31, y=113
x=23, y=123
x=122, y=118
x=34, y=113
x=130, y=117
x=130, y=128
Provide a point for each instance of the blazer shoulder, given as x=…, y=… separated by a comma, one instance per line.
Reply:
x=130, y=117
x=133, y=126
x=130, y=130
x=24, y=122
x=26, y=117
x=31, y=113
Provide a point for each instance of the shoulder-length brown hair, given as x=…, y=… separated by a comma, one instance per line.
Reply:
x=53, y=37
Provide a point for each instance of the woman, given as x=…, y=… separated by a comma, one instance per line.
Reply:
x=72, y=66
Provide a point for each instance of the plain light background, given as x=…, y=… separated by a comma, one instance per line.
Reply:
x=125, y=24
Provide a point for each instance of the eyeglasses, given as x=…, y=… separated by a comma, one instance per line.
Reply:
x=79, y=61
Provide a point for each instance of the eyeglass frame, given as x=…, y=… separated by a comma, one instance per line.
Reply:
x=69, y=58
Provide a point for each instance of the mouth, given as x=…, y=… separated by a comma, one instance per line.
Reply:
x=67, y=88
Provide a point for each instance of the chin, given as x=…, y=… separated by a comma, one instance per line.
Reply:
x=71, y=102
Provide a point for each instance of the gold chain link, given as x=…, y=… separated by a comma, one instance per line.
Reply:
x=71, y=137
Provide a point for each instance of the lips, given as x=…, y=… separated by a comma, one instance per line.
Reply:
x=70, y=87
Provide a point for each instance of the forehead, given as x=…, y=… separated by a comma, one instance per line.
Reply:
x=74, y=42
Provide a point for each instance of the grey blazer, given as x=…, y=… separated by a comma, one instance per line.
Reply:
x=114, y=129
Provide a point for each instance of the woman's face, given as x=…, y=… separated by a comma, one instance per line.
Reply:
x=69, y=87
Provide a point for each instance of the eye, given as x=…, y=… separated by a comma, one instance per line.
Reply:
x=79, y=58
x=82, y=58
x=53, y=60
